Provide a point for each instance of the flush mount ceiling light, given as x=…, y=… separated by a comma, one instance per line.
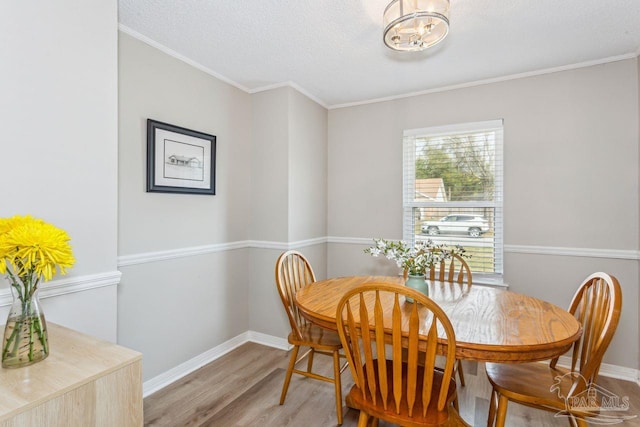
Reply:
x=413, y=25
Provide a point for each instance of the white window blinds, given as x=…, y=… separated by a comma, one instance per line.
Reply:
x=452, y=191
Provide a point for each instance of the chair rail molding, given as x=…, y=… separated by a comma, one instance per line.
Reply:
x=576, y=252
x=146, y=257
x=527, y=249
x=69, y=285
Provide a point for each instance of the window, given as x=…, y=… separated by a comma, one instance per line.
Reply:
x=452, y=191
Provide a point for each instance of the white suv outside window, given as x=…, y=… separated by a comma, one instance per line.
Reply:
x=472, y=225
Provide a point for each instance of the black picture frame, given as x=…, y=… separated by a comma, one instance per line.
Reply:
x=180, y=160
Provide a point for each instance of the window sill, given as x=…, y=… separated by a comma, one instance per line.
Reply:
x=490, y=280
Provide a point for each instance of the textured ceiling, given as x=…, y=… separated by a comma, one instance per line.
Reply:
x=333, y=51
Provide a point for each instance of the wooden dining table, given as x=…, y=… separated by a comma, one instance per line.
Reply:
x=490, y=324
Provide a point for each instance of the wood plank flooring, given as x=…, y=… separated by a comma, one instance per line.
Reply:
x=242, y=389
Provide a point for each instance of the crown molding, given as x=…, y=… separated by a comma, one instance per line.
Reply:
x=293, y=86
x=492, y=80
x=133, y=33
x=317, y=100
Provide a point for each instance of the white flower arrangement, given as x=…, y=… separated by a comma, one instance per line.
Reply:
x=417, y=259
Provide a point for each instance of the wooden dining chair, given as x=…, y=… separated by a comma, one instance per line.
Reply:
x=293, y=272
x=453, y=269
x=411, y=392
x=596, y=305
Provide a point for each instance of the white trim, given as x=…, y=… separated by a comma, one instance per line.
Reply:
x=283, y=246
x=69, y=285
x=487, y=125
x=143, y=258
x=133, y=33
x=489, y=81
x=351, y=240
x=183, y=369
x=269, y=340
x=264, y=244
x=607, y=370
x=314, y=98
x=173, y=53
x=292, y=85
x=491, y=280
x=156, y=383
x=524, y=249
x=577, y=252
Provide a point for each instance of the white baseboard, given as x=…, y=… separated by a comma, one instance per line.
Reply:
x=269, y=340
x=154, y=384
x=608, y=370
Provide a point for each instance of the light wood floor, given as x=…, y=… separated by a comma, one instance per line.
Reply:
x=243, y=388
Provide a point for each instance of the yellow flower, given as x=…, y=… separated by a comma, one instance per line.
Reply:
x=8, y=224
x=32, y=246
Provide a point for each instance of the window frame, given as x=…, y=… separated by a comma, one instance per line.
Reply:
x=408, y=196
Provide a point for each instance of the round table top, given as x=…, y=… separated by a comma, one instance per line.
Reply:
x=490, y=324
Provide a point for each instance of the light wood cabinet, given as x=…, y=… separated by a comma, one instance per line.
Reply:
x=84, y=382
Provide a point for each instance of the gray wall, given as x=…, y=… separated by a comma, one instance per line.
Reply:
x=307, y=168
x=270, y=165
x=58, y=81
x=289, y=191
x=175, y=309
x=571, y=179
x=198, y=270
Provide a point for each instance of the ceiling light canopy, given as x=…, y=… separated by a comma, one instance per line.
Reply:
x=413, y=25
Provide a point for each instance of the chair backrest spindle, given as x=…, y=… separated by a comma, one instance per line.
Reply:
x=453, y=269
x=293, y=272
x=596, y=305
x=403, y=387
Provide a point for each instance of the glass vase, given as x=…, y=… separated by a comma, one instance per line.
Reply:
x=25, y=334
x=419, y=283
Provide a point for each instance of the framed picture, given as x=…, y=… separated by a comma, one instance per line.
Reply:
x=180, y=160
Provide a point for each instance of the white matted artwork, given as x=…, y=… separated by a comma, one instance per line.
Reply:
x=179, y=160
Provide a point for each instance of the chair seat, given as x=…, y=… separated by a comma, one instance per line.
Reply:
x=433, y=416
x=596, y=305
x=531, y=383
x=316, y=337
